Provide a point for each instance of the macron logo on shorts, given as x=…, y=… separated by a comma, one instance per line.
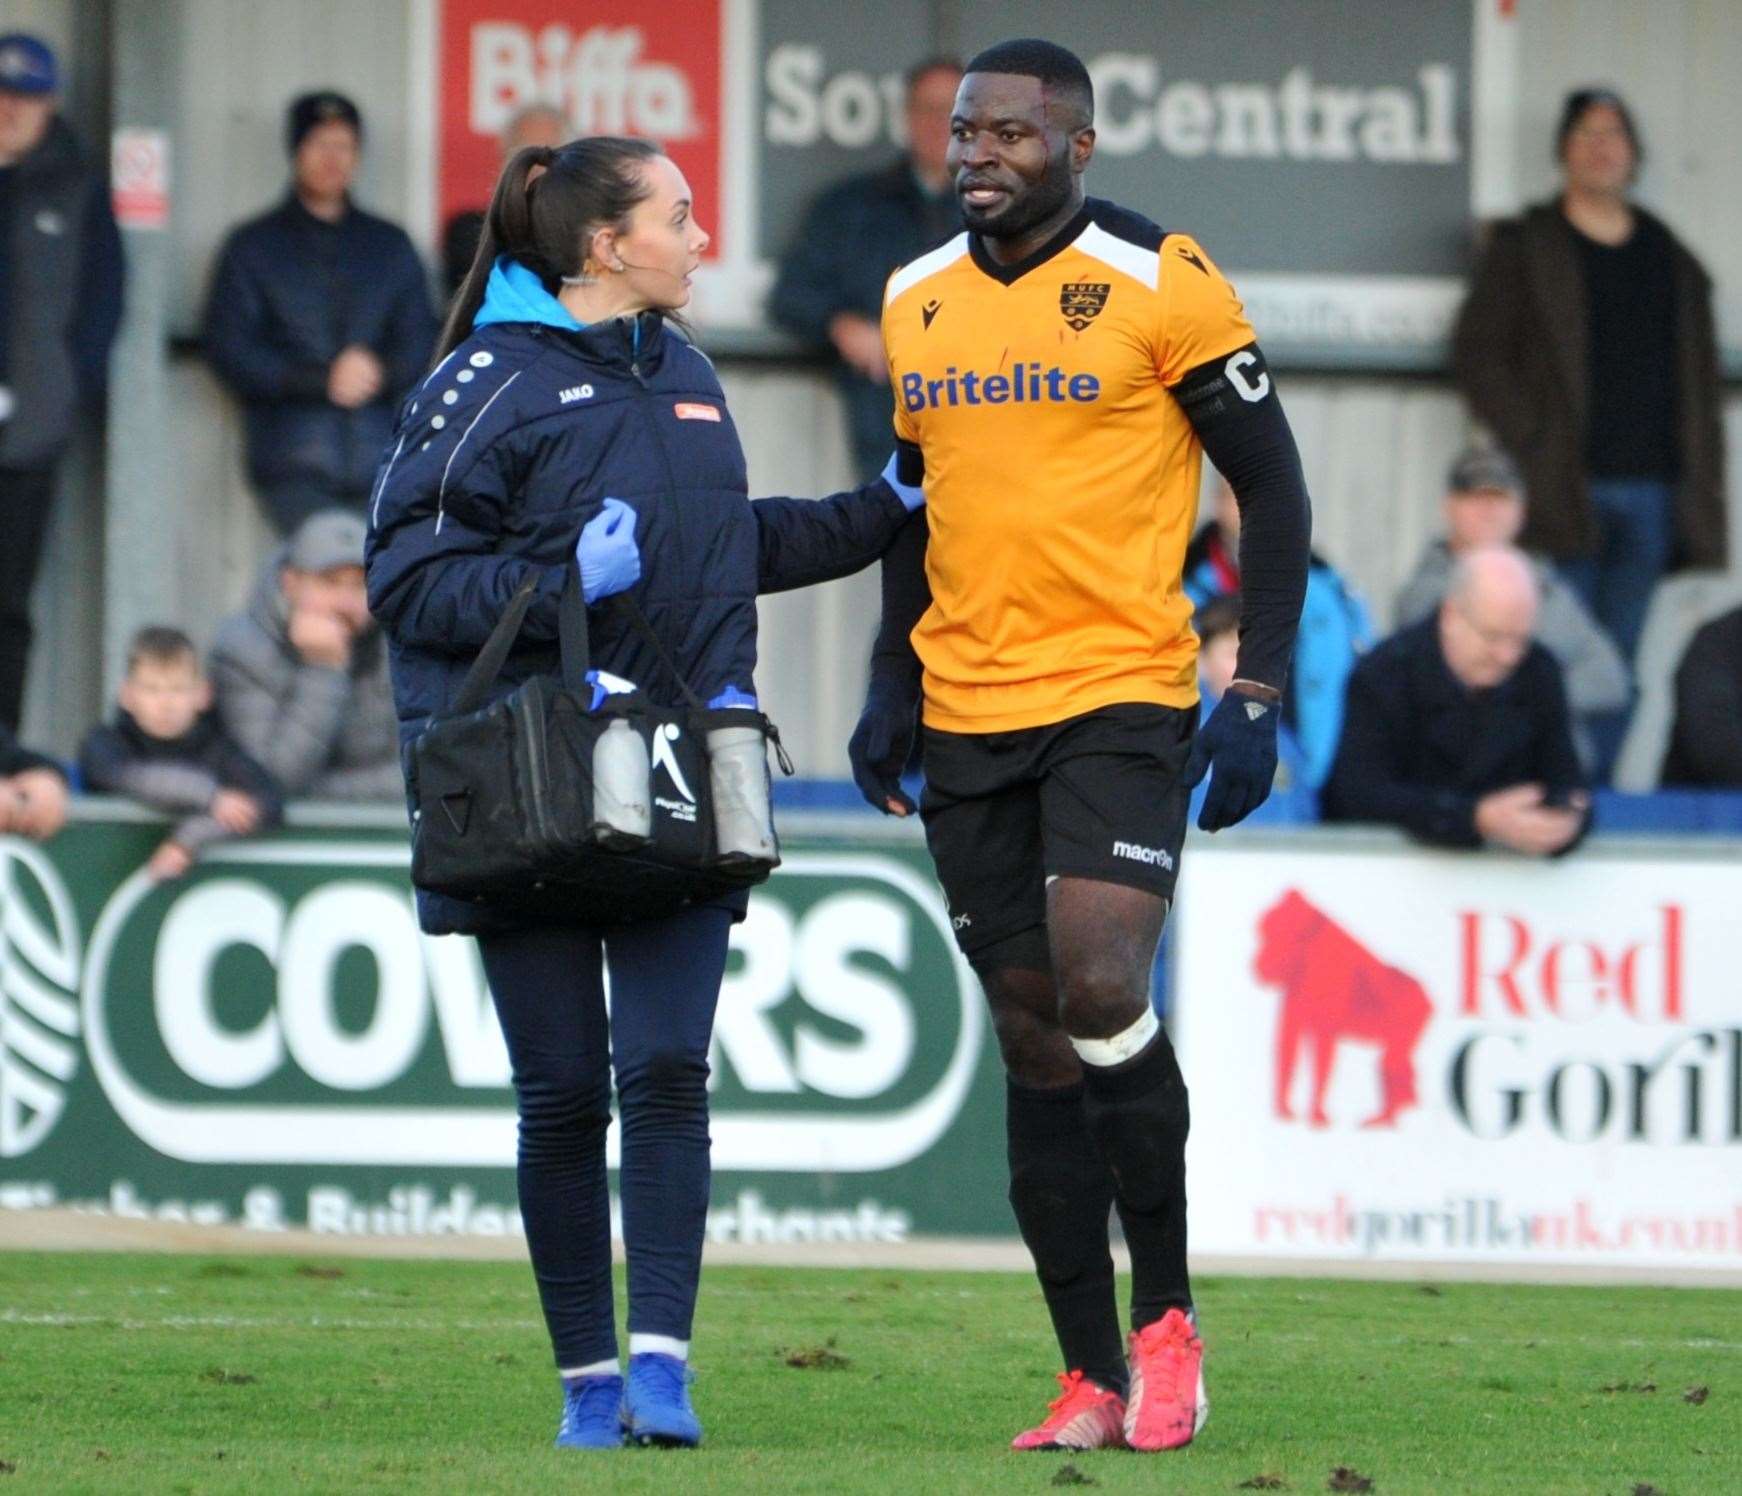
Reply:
x=1154, y=856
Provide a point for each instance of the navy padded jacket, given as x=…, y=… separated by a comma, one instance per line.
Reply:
x=511, y=445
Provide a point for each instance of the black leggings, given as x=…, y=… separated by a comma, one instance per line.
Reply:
x=550, y=998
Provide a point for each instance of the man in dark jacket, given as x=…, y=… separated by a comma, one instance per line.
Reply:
x=830, y=290
x=33, y=792
x=1587, y=345
x=320, y=321
x=1456, y=730
x=60, y=305
x=1705, y=748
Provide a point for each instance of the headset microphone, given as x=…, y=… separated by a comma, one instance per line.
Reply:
x=652, y=270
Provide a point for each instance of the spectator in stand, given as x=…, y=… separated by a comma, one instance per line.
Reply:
x=319, y=321
x=166, y=749
x=1457, y=729
x=1334, y=630
x=301, y=675
x=830, y=288
x=1484, y=506
x=1705, y=748
x=60, y=305
x=1587, y=346
x=33, y=792
x=536, y=124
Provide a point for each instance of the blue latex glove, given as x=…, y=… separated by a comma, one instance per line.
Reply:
x=912, y=496
x=609, y=558
x=882, y=743
x=732, y=697
x=1238, y=744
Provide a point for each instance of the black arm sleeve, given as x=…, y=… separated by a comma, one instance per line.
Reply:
x=1234, y=408
x=906, y=596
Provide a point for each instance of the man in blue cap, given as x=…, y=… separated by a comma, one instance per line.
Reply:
x=60, y=306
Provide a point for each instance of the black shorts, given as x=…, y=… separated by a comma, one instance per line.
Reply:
x=1099, y=796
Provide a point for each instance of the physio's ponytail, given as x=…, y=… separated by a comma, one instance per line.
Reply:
x=547, y=204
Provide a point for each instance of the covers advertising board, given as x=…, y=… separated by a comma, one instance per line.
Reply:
x=1330, y=165
x=1392, y=1056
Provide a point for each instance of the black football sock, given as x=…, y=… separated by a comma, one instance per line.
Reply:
x=1062, y=1197
x=1138, y=1116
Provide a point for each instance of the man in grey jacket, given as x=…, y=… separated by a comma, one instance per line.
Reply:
x=1484, y=506
x=301, y=674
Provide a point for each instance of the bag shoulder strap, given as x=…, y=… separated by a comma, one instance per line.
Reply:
x=572, y=641
x=639, y=619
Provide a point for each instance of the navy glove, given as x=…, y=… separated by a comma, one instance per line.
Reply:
x=882, y=743
x=609, y=558
x=912, y=496
x=1239, y=742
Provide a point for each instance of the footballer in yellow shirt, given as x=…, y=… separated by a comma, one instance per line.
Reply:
x=1061, y=368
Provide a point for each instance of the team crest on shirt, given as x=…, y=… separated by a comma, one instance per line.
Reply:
x=1080, y=302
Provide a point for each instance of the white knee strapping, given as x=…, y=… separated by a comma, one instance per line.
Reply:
x=1122, y=1046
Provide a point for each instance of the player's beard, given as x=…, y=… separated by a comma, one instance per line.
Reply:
x=1026, y=210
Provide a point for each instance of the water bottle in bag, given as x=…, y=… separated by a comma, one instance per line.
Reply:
x=622, y=789
x=738, y=776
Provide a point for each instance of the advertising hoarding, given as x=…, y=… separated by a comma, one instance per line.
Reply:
x=1442, y=1058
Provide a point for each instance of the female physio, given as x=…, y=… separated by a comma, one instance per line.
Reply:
x=568, y=424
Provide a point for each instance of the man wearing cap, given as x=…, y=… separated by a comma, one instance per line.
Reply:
x=320, y=321
x=1484, y=505
x=60, y=305
x=301, y=674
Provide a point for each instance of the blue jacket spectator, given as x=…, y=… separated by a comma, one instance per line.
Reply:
x=320, y=321
x=1334, y=631
x=830, y=289
x=514, y=442
x=60, y=305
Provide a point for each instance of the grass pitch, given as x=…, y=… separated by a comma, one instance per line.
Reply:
x=148, y=1373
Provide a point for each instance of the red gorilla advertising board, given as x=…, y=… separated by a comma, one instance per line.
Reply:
x=613, y=67
x=1415, y=1056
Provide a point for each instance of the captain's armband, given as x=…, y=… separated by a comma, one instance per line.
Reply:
x=1224, y=387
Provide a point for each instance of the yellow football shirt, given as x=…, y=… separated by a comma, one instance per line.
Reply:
x=1061, y=475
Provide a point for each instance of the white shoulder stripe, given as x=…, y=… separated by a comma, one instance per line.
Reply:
x=938, y=259
x=439, y=367
x=1142, y=265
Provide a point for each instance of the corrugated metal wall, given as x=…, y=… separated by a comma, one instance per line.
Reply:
x=1375, y=449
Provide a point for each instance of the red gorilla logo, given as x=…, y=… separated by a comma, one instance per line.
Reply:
x=1334, y=988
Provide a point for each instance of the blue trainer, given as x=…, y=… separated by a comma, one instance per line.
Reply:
x=656, y=1406
x=592, y=1413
